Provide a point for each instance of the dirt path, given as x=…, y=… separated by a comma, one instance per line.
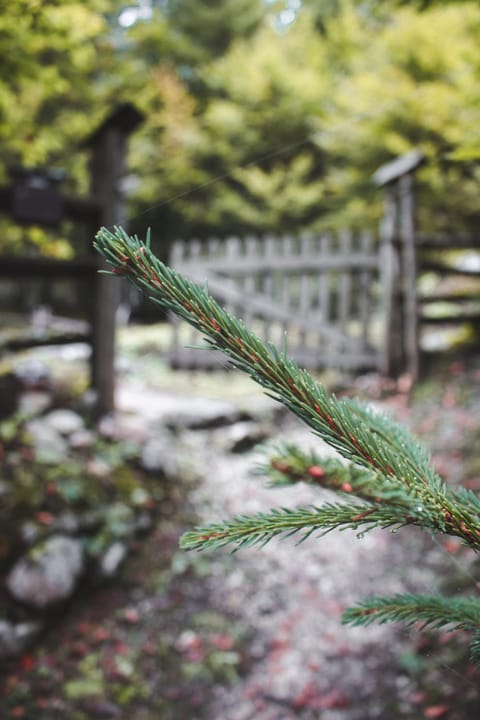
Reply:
x=304, y=663
x=255, y=635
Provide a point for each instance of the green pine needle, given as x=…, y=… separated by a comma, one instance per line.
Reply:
x=475, y=649
x=259, y=529
x=433, y=611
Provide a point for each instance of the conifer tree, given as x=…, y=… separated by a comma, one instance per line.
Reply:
x=208, y=27
x=388, y=481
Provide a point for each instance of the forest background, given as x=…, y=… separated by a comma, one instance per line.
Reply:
x=260, y=115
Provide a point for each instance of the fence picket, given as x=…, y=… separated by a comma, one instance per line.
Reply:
x=365, y=291
x=345, y=281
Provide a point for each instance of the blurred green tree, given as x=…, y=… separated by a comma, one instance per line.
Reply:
x=50, y=92
x=406, y=86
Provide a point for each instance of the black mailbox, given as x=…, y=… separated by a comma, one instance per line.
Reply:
x=36, y=196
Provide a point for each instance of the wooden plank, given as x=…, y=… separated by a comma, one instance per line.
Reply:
x=365, y=291
x=312, y=358
x=31, y=341
x=304, y=288
x=410, y=274
x=394, y=170
x=324, y=281
x=444, y=269
x=82, y=209
x=457, y=319
x=107, y=169
x=49, y=267
x=321, y=263
x=268, y=246
x=392, y=344
x=345, y=282
x=249, y=281
x=447, y=242
x=449, y=298
x=177, y=253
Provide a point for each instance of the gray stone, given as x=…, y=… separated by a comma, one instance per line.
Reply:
x=48, y=573
x=97, y=708
x=34, y=402
x=15, y=638
x=82, y=439
x=111, y=560
x=34, y=374
x=64, y=421
x=48, y=445
x=159, y=454
x=7, y=639
x=91, y=520
x=143, y=523
x=244, y=436
x=66, y=523
x=108, y=427
x=203, y=413
x=263, y=408
x=178, y=411
x=30, y=532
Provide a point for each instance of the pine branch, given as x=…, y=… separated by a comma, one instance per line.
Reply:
x=433, y=611
x=259, y=529
x=288, y=464
x=390, y=480
x=369, y=441
x=475, y=649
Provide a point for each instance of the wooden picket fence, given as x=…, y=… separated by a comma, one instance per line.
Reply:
x=321, y=292
x=344, y=300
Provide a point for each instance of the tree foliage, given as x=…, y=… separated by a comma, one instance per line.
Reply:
x=50, y=55
x=253, y=122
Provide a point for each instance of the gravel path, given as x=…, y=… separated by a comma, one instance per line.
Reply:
x=304, y=662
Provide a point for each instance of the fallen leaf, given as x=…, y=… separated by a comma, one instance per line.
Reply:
x=131, y=616
x=100, y=635
x=222, y=641
x=435, y=711
x=44, y=518
x=17, y=712
x=27, y=662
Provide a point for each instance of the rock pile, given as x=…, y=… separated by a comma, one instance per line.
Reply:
x=96, y=486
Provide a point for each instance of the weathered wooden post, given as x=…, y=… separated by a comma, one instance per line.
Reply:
x=109, y=148
x=400, y=345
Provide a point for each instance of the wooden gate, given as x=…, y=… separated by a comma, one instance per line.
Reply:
x=319, y=291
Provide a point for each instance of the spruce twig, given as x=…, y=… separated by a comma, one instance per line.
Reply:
x=246, y=531
x=369, y=441
x=389, y=481
x=433, y=611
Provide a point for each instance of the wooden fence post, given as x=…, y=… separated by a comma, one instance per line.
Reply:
x=109, y=147
x=400, y=345
x=410, y=275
